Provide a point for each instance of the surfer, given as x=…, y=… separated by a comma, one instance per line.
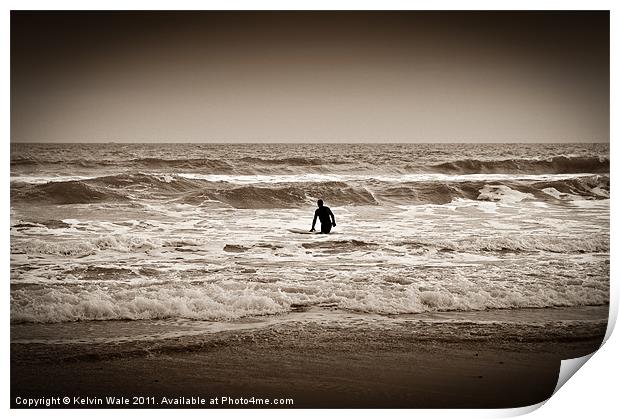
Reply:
x=324, y=213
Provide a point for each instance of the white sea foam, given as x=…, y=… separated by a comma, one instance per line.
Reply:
x=406, y=177
x=229, y=300
x=38, y=180
x=560, y=195
x=600, y=192
x=118, y=243
x=514, y=242
x=502, y=193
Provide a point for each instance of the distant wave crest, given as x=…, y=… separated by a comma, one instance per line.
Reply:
x=555, y=165
x=275, y=165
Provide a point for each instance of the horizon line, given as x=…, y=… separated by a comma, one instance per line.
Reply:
x=314, y=142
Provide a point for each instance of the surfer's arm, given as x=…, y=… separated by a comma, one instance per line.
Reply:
x=314, y=220
x=331, y=214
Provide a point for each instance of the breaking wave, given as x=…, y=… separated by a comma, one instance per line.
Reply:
x=71, y=192
x=586, y=187
x=555, y=165
x=231, y=300
x=127, y=187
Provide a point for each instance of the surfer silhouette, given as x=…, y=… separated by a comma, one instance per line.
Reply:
x=323, y=213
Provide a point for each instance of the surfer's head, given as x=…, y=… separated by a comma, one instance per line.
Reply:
x=319, y=203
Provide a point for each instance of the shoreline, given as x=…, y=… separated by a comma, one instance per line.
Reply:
x=407, y=365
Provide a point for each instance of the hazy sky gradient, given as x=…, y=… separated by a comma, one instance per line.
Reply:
x=310, y=76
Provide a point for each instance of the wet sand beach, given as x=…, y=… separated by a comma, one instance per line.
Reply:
x=406, y=364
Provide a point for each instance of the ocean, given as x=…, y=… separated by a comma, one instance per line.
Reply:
x=144, y=242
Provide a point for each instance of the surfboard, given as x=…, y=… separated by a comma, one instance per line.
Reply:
x=301, y=231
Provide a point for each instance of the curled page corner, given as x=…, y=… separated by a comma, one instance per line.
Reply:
x=568, y=368
x=520, y=411
x=611, y=319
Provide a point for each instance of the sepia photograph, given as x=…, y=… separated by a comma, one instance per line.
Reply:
x=306, y=209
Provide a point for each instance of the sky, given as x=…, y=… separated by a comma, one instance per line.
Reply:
x=310, y=76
